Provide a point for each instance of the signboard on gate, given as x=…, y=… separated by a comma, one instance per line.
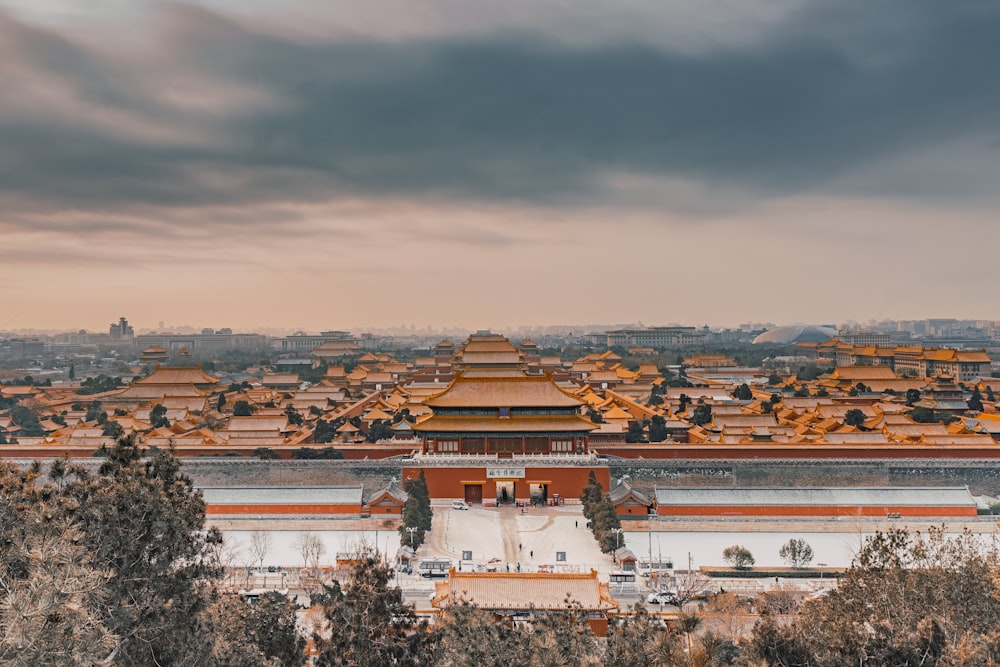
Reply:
x=505, y=473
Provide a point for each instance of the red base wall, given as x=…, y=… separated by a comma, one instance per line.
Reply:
x=567, y=482
x=283, y=509
x=810, y=510
x=351, y=452
x=756, y=451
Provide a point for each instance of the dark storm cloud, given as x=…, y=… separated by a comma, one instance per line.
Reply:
x=836, y=89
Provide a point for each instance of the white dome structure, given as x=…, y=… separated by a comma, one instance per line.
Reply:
x=796, y=334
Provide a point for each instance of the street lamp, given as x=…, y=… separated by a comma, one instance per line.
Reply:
x=618, y=542
x=411, y=530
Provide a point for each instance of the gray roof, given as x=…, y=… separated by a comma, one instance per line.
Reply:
x=622, y=490
x=829, y=496
x=288, y=495
x=393, y=489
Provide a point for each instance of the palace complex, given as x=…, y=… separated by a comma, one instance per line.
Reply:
x=490, y=421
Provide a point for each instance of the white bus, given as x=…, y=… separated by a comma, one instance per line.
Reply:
x=434, y=567
x=622, y=577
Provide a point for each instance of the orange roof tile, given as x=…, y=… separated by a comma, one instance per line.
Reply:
x=484, y=423
x=509, y=392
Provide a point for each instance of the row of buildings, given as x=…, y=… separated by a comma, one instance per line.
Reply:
x=492, y=422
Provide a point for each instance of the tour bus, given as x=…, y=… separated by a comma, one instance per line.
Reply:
x=622, y=577
x=434, y=567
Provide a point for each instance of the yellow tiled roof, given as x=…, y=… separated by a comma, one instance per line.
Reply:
x=509, y=392
x=522, y=591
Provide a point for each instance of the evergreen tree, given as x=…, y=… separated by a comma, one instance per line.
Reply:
x=368, y=624
x=639, y=639
x=658, y=429
x=743, y=392
x=158, y=416
x=854, y=417
x=294, y=418
x=702, y=414
x=976, y=400
x=144, y=523
x=417, y=512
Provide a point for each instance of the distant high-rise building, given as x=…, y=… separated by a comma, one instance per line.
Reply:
x=122, y=331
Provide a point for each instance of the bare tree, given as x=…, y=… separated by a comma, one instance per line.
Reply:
x=260, y=546
x=689, y=586
x=311, y=548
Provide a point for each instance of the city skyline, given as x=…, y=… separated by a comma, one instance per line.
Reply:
x=339, y=165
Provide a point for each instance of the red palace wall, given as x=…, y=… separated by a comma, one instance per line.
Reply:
x=811, y=510
x=656, y=451
x=815, y=451
x=448, y=482
x=351, y=452
x=283, y=509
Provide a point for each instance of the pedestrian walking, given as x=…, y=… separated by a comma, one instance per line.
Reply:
x=576, y=524
x=532, y=553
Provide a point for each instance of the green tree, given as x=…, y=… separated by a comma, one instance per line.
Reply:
x=591, y=495
x=113, y=429
x=99, y=385
x=266, y=453
x=324, y=431
x=467, y=636
x=658, y=429
x=702, y=414
x=855, y=417
x=636, y=432
x=294, y=418
x=738, y=557
x=380, y=429
x=562, y=638
x=417, y=512
x=51, y=593
x=912, y=396
x=640, y=640
x=367, y=624
x=144, y=526
x=28, y=421
x=923, y=415
x=247, y=634
x=976, y=400
x=600, y=513
x=158, y=416
x=796, y=552
x=242, y=409
x=907, y=599
x=743, y=392
x=93, y=411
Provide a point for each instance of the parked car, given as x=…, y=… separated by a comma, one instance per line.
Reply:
x=459, y=505
x=663, y=597
x=818, y=595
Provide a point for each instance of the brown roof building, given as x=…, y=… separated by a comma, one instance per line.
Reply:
x=524, y=596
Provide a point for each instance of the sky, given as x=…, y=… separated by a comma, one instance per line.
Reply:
x=325, y=164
